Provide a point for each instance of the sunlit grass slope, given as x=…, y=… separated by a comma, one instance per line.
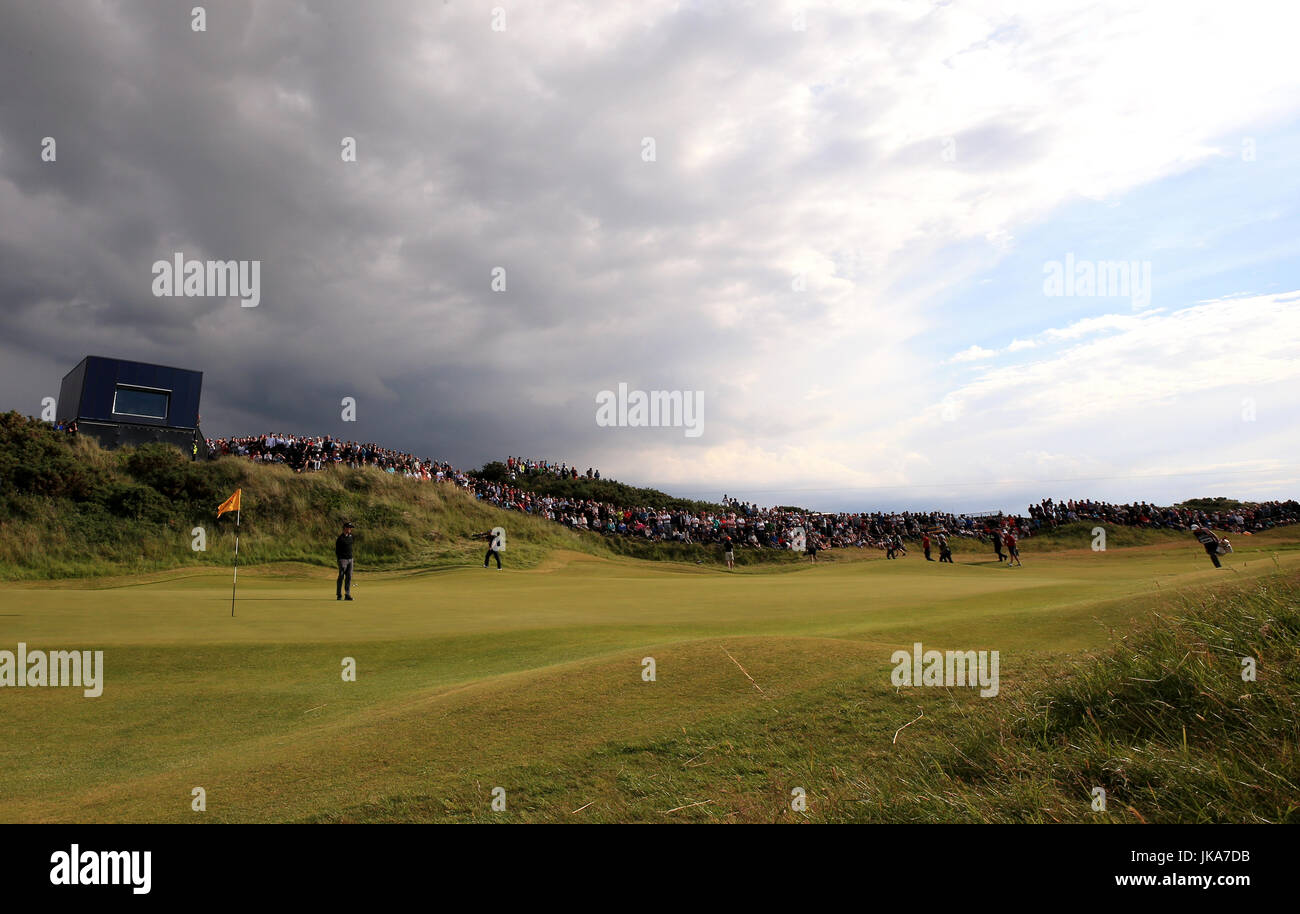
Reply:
x=532, y=680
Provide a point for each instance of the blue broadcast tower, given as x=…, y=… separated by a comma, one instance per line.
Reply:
x=119, y=402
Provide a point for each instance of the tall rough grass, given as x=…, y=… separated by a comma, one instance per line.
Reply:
x=1163, y=722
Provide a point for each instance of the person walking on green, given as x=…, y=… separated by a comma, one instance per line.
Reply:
x=1207, y=538
x=343, y=554
x=492, y=551
x=945, y=551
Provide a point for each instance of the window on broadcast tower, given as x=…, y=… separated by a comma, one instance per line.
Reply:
x=139, y=401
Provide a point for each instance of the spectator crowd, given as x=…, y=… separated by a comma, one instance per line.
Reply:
x=736, y=523
x=304, y=453
x=529, y=466
x=1246, y=519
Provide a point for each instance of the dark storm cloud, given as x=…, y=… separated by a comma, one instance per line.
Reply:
x=781, y=153
x=225, y=145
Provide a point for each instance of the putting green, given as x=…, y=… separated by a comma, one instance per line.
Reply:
x=470, y=679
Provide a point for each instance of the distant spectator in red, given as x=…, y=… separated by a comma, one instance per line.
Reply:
x=1013, y=552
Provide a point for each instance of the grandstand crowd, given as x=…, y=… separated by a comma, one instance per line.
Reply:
x=1048, y=514
x=734, y=523
x=304, y=453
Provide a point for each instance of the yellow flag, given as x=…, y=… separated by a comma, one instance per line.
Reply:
x=230, y=504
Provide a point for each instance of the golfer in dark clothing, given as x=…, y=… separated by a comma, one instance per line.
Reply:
x=997, y=544
x=343, y=552
x=1205, y=536
x=491, y=550
x=945, y=551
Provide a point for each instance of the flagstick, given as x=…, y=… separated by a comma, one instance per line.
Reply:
x=235, y=579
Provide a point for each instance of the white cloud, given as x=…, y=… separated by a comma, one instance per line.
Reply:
x=973, y=354
x=1156, y=406
x=1099, y=324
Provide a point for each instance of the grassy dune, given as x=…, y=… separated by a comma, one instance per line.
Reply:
x=70, y=509
x=767, y=680
x=287, y=517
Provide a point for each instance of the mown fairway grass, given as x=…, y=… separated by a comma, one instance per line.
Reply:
x=531, y=680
